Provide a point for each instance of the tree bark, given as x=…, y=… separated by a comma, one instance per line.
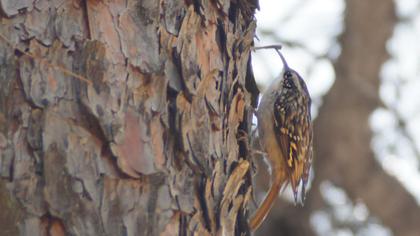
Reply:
x=125, y=117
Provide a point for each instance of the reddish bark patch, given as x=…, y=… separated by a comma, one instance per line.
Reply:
x=133, y=155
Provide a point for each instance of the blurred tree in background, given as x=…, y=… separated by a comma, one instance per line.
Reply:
x=352, y=193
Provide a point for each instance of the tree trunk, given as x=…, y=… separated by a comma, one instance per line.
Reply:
x=125, y=117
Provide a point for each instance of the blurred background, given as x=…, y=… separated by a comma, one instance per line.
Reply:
x=361, y=62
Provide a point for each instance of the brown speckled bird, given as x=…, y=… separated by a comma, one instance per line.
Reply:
x=285, y=131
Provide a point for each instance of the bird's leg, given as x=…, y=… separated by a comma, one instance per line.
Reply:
x=244, y=138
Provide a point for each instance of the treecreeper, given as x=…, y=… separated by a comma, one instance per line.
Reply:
x=285, y=134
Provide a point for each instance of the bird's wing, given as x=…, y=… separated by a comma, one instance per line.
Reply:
x=294, y=136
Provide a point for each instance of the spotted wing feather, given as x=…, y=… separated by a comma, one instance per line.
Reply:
x=294, y=135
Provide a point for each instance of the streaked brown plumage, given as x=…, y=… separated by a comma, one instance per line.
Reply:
x=285, y=131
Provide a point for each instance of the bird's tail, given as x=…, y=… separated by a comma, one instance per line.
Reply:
x=265, y=207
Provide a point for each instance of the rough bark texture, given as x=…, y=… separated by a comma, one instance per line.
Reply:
x=149, y=143
x=342, y=138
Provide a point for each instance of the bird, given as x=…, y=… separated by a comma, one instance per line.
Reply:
x=285, y=134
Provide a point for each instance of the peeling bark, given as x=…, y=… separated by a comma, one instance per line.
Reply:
x=123, y=117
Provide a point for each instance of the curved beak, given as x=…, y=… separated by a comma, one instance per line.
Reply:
x=286, y=67
x=277, y=48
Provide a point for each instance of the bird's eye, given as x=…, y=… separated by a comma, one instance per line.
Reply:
x=287, y=83
x=287, y=74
